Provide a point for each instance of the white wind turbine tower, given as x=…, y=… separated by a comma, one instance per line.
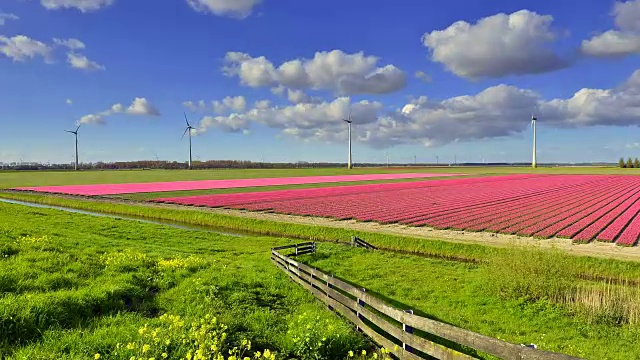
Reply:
x=188, y=129
x=533, y=126
x=349, y=121
x=75, y=133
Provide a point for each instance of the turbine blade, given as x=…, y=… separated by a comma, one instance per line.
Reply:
x=187, y=121
x=185, y=133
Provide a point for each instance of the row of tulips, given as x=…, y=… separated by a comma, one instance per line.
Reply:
x=582, y=207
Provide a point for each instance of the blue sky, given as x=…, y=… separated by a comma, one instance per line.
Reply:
x=291, y=70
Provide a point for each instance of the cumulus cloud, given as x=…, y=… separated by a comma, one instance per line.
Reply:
x=236, y=103
x=5, y=16
x=328, y=70
x=421, y=75
x=321, y=121
x=495, y=46
x=78, y=61
x=495, y=112
x=72, y=44
x=139, y=106
x=69, y=102
x=229, y=103
x=80, y=5
x=621, y=42
x=22, y=48
x=199, y=106
x=233, y=8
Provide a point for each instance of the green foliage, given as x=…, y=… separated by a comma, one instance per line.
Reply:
x=636, y=163
x=72, y=286
x=621, y=163
x=629, y=164
x=540, y=275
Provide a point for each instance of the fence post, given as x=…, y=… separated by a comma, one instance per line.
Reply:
x=409, y=330
x=361, y=303
x=296, y=249
x=329, y=286
x=353, y=240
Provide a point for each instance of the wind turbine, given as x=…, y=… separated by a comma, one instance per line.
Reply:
x=533, y=125
x=349, y=121
x=188, y=129
x=75, y=133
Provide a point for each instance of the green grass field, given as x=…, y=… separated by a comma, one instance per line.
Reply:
x=74, y=285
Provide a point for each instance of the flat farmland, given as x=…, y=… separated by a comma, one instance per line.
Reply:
x=580, y=207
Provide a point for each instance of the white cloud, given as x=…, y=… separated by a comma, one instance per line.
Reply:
x=627, y=15
x=232, y=8
x=72, y=44
x=421, y=75
x=78, y=61
x=229, y=103
x=4, y=17
x=262, y=104
x=497, y=111
x=236, y=103
x=69, y=102
x=81, y=5
x=22, y=48
x=322, y=120
x=139, y=106
x=618, y=43
x=300, y=97
x=199, y=106
x=332, y=70
x=612, y=43
x=92, y=119
x=495, y=46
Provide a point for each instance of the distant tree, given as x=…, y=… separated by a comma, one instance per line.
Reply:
x=621, y=163
x=636, y=163
x=629, y=163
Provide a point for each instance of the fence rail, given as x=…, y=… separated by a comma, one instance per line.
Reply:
x=357, y=242
x=362, y=308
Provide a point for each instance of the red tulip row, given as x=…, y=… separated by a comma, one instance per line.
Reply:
x=509, y=212
x=583, y=207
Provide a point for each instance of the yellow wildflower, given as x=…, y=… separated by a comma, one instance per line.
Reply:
x=164, y=355
x=350, y=353
x=96, y=356
x=145, y=348
x=364, y=352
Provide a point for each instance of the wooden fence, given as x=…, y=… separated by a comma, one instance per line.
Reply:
x=365, y=310
x=357, y=242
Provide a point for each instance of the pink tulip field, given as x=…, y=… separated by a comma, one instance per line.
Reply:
x=581, y=207
x=113, y=189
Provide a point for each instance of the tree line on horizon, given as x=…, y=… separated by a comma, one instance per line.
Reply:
x=629, y=164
